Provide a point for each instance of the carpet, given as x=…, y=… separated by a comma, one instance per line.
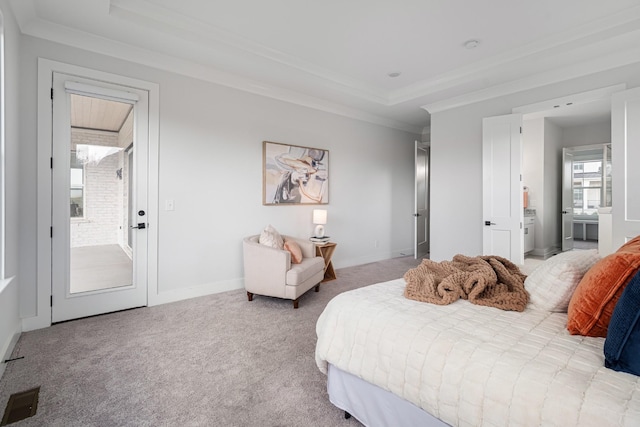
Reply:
x=217, y=360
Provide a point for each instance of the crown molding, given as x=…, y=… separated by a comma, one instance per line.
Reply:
x=564, y=42
x=86, y=41
x=145, y=13
x=585, y=68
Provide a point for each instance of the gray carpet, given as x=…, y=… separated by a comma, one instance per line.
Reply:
x=217, y=360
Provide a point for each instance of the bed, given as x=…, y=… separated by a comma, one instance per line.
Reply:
x=394, y=361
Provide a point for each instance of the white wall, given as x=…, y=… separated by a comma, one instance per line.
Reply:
x=9, y=317
x=211, y=166
x=456, y=159
x=593, y=133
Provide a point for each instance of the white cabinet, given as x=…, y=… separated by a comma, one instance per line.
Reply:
x=529, y=233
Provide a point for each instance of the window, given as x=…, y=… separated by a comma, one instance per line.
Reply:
x=587, y=187
x=77, y=187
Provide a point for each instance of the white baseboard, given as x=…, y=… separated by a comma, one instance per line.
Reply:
x=547, y=252
x=174, y=295
x=8, y=350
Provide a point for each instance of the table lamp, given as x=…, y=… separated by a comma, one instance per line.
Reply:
x=320, y=219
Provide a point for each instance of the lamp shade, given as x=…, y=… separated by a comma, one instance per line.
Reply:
x=319, y=216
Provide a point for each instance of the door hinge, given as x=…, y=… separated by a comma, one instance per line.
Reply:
x=51, y=301
x=51, y=162
x=51, y=93
x=51, y=232
x=520, y=226
x=520, y=126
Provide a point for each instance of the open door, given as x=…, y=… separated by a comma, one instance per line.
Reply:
x=625, y=151
x=421, y=212
x=567, y=199
x=502, y=202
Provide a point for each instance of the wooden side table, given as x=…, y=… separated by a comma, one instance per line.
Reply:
x=325, y=250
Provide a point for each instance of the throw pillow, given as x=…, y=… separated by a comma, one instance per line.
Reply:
x=270, y=237
x=552, y=283
x=294, y=250
x=632, y=245
x=622, y=346
x=594, y=299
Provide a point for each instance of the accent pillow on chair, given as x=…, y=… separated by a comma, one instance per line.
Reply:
x=599, y=290
x=270, y=237
x=294, y=250
x=622, y=346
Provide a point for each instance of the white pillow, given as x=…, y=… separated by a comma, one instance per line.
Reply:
x=552, y=283
x=270, y=237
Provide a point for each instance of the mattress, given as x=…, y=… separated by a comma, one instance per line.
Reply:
x=470, y=366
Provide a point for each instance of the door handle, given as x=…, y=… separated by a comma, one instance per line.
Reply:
x=140, y=226
x=416, y=214
x=488, y=223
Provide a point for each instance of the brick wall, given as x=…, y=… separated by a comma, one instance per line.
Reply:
x=105, y=194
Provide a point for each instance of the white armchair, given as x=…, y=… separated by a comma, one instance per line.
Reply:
x=269, y=271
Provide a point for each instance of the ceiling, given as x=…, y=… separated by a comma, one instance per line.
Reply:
x=336, y=55
x=576, y=115
x=98, y=114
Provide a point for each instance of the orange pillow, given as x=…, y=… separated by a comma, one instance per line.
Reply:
x=294, y=250
x=594, y=299
x=632, y=245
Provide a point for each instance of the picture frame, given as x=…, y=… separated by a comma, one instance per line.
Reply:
x=294, y=175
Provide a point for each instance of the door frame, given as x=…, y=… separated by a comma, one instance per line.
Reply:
x=42, y=316
x=567, y=197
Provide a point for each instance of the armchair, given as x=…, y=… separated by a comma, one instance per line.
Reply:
x=269, y=271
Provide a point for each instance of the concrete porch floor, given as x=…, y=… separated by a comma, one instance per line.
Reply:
x=99, y=267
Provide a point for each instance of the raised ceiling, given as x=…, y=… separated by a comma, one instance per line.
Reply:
x=336, y=55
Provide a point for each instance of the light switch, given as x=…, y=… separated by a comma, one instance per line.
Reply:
x=168, y=205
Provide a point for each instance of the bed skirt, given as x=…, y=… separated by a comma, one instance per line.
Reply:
x=372, y=405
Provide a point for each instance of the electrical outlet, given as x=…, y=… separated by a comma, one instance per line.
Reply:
x=168, y=205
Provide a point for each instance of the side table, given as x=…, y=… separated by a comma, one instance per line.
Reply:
x=325, y=250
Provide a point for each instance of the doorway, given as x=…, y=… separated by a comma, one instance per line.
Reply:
x=586, y=189
x=571, y=122
x=421, y=201
x=98, y=182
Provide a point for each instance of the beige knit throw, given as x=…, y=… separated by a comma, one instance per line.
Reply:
x=485, y=280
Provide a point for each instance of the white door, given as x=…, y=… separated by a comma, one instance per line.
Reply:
x=625, y=152
x=95, y=193
x=567, y=199
x=502, y=191
x=421, y=212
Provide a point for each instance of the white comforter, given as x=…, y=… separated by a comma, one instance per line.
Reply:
x=470, y=365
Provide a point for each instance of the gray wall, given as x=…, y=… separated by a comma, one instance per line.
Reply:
x=211, y=166
x=9, y=317
x=456, y=159
x=552, y=186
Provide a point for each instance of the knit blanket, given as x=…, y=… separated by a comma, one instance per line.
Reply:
x=491, y=281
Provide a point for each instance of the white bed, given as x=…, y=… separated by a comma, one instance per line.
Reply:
x=465, y=365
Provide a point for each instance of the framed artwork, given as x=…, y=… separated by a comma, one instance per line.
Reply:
x=294, y=175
